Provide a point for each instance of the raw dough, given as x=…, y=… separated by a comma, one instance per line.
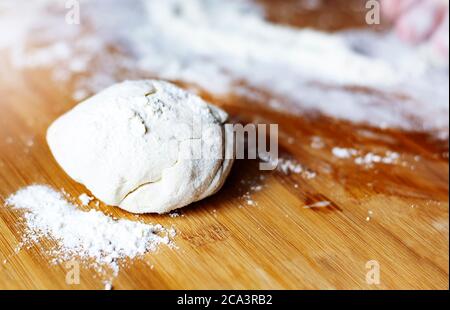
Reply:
x=136, y=145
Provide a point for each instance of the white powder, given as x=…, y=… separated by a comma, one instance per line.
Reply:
x=85, y=199
x=213, y=44
x=319, y=204
x=251, y=202
x=288, y=166
x=108, y=286
x=248, y=199
x=89, y=236
x=369, y=159
x=291, y=166
x=343, y=152
x=174, y=214
x=253, y=186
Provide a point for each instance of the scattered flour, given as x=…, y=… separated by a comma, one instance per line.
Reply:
x=108, y=286
x=85, y=199
x=343, y=152
x=89, y=236
x=214, y=44
x=320, y=204
x=248, y=199
x=253, y=186
x=292, y=166
x=251, y=202
x=368, y=159
x=288, y=166
x=174, y=214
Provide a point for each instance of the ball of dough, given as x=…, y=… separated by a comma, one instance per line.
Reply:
x=145, y=146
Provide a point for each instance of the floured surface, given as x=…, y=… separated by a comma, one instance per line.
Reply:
x=214, y=44
x=86, y=236
x=313, y=223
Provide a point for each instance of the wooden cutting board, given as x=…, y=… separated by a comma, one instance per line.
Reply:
x=396, y=215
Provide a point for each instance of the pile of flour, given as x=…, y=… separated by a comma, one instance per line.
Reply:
x=88, y=236
x=228, y=47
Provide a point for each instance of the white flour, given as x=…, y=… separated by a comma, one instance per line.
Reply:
x=85, y=199
x=320, y=204
x=88, y=236
x=389, y=158
x=214, y=44
x=343, y=152
x=291, y=166
x=368, y=159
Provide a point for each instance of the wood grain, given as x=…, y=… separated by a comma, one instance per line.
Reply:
x=225, y=244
